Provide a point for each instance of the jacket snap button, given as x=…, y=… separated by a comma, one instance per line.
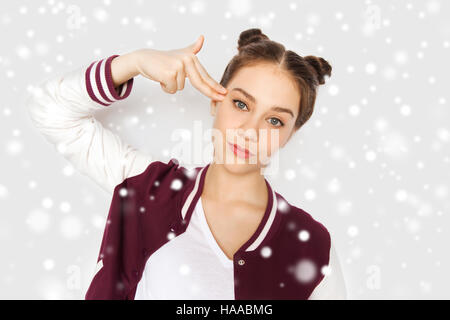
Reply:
x=241, y=262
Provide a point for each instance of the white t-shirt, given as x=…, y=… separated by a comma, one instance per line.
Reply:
x=190, y=266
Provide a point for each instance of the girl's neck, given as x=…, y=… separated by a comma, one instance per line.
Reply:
x=221, y=185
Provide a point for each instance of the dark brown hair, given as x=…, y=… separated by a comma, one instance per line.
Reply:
x=308, y=72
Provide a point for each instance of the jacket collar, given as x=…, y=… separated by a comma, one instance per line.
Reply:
x=265, y=225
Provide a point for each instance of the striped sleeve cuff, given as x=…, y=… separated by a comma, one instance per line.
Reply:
x=100, y=85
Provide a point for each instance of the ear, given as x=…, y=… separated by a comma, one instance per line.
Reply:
x=213, y=107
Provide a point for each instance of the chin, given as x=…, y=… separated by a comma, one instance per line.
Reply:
x=240, y=168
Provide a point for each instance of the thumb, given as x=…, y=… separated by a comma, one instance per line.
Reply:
x=197, y=45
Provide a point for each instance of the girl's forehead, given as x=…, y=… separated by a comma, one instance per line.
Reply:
x=263, y=76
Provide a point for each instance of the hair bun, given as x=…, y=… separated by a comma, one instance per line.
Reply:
x=249, y=36
x=321, y=66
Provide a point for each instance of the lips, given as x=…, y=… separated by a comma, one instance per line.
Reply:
x=239, y=151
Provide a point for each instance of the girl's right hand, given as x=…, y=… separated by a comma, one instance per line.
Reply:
x=170, y=69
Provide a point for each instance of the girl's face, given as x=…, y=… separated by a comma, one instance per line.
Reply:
x=258, y=114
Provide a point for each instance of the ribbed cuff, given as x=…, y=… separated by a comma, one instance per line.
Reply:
x=100, y=85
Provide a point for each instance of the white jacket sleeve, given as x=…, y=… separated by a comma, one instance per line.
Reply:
x=62, y=110
x=332, y=286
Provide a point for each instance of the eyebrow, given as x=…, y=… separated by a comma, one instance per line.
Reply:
x=253, y=99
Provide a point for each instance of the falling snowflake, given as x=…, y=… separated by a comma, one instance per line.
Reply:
x=176, y=184
x=305, y=271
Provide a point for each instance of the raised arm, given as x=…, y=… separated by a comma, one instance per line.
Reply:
x=62, y=109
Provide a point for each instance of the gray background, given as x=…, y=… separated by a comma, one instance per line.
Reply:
x=372, y=163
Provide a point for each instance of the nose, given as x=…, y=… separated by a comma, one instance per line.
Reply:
x=248, y=133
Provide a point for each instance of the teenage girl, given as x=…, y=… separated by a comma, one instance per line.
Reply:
x=264, y=88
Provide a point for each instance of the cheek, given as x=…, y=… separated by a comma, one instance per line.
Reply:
x=270, y=140
x=222, y=121
x=225, y=117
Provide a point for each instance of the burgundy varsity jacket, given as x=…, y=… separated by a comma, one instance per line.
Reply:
x=150, y=209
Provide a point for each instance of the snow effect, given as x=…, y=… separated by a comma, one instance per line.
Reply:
x=372, y=163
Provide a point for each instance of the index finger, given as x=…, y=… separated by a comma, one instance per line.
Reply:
x=198, y=82
x=213, y=83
